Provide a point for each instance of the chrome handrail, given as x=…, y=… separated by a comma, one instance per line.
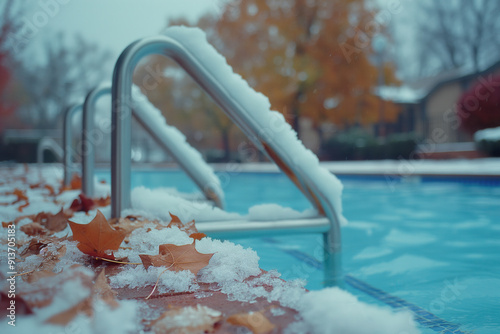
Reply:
x=88, y=159
x=206, y=182
x=67, y=135
x=47, y=143
x=121, y=144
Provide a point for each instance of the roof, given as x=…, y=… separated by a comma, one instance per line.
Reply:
x=415, y=92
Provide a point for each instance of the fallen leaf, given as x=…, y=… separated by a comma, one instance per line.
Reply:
x=33, y=229
x=65, y=317
x=21, y=307
x=82, y=203
x=22, y=206
x=97, y=237
x=197, y=235
x=254, y=321
x=33, y=248
x=103, y=290
x=21, y=195
x=51, y=190
x=187, y=320
x=177, y=258
x=75, y=184
x=46, y=266
x=53, y=223
x=189, y=227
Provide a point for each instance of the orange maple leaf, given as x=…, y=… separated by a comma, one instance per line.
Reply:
x=188, y=227
x=177, y=258
x=97, y=237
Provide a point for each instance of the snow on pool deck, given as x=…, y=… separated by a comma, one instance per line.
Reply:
x=454, y=167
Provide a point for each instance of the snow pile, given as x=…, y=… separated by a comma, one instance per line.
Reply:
x=273, y=126
x=178, y=144
x=492, y=134
x=168, y=281
x=333, y=310
x=230, y=262
x=273, y=211
x=156, y=203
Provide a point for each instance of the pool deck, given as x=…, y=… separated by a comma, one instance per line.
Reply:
x=259, y=316
x=487, y=167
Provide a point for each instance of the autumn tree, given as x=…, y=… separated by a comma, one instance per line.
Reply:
x=306, y=57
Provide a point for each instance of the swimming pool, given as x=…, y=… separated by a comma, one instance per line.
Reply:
x=432, y=243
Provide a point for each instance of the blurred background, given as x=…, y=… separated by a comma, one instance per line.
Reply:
x=357, y=79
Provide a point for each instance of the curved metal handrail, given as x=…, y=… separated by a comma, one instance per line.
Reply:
x=47, y=143
x=211, y=190
x=88, y=159
x=67, y=135
x=121, y=144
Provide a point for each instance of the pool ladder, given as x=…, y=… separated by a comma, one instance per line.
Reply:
x=212, y=191
x=328, y=224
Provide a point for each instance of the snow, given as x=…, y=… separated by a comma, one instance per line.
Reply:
x=271, y=124
x=273, y=211
x=230, y=262
x=402, y=94
x=492, y=134
x=333, y=310
x=403, y=167
x=134, y=276
x=158, y=202
x=178, y=144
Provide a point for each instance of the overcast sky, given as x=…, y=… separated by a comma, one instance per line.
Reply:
x=113, y=24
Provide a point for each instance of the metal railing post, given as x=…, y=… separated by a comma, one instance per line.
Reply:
x=88, y=146
x=47, y=143
x=121, y=125
x=67, y=134
x=211, y=189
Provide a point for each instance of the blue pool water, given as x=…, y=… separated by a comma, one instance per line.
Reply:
x=432, y=243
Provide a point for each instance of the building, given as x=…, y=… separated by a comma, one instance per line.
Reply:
x=429, y=108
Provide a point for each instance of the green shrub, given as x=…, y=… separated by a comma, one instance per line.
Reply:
x=358, y=145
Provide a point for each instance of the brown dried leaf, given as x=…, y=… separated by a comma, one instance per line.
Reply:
x=254, y=321
x=187, y=320
x=102, y=288
x=82, y=203
x=46, y=266
x=177, y=258
x=33, y=229
x=54, y=223
x=189, y=227
x=197, y=235
x=65, y=317
x=21, y=306
x=33, y=248
x=97, y=237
